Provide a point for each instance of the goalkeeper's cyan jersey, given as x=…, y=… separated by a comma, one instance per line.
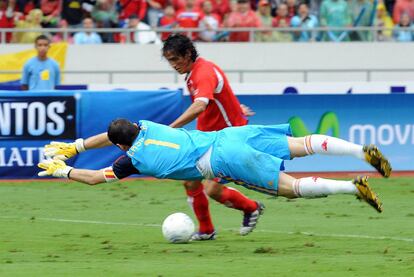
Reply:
x=164, y=152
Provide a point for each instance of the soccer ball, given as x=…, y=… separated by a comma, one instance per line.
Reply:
x=178, y=228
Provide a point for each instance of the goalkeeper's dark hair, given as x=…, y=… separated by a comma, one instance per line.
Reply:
x=180, y=45
x=122, y=131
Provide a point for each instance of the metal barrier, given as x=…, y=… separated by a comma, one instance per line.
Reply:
x=373, y=31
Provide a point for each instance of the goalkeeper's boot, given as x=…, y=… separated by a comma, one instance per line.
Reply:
x=366, y=193
x=203, y=236
x=377, y=160
x=250, y=220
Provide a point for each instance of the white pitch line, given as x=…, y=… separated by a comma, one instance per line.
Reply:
x=310, y=234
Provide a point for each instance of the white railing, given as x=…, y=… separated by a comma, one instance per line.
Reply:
x=112, y=74
x=373, y=31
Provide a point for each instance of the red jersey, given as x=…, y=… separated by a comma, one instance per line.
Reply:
x=206, y=82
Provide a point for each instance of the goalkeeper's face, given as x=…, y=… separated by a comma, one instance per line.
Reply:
x=181, y=64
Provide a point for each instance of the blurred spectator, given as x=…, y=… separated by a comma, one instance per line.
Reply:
x=178, y=4
x=282, y=16
x=220, y=7
x=168, y=21
x=335, y=13
x=41, y=72
x=189, y=17
x=145, y=34
x=105, y=16
x=51, y=12
x=60, y=36
x=403, y=32
x=389, y=5
x=314, y=7
x=306, y=21
x=357, y=7
x=282, y=20
x=208, y=23
x=32, y=21
x=25, y=6
x=383, y=20
x=155, y=11
x=291, y=6
x=7, y=17
x=264, y=14
x=243, y=17
x=403, y=6
x=72, y=12
x=105, y=13
x=87, y=37
x=126, y=8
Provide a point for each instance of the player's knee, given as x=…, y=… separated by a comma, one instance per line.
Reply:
x=192, y=185
x=213, y=189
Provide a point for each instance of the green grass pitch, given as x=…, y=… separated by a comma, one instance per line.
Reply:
x=70, y=229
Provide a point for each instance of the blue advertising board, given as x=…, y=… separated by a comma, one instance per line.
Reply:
x=28, y=121
x=385, y=120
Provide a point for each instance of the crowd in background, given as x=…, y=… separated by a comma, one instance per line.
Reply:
x=144, y=15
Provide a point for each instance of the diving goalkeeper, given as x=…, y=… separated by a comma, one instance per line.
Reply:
x=251, y=156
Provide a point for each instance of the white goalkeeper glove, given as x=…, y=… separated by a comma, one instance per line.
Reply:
x=63, y=150
x=55, y=168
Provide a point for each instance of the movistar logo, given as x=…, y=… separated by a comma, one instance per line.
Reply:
x=328, y=121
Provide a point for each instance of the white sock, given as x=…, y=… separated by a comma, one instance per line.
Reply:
x=327, y=145
x=314, y=187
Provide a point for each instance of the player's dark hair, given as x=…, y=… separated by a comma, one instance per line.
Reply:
x=42, y=37
x=180, y=45
x=122, y=131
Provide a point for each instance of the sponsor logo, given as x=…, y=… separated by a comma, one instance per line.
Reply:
x=328, y=122
x=34, y=118
x=384, y=134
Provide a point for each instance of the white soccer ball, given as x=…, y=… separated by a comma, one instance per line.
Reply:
x=178, y=228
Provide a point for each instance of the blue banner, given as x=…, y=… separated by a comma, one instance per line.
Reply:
x=28, y=121
x=385, y=120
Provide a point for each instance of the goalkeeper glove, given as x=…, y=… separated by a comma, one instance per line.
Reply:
x=56, y=168
x=63, y=150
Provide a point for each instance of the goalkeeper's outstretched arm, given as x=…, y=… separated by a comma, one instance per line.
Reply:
x=120, y=169
x=64, y=150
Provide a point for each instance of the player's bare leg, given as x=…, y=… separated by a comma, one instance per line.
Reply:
x=327, y=145
x=198, y=200
x=233, y=198
x=315, y=187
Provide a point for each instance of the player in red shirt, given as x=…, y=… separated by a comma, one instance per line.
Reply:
x=216, y=107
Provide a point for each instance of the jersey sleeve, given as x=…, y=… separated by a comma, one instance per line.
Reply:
x=205, y=83
x=122, y=168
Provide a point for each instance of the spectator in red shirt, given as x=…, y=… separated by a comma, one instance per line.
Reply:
x=215, y=107
x=401, y=7
x=7, y=17
x=51, y=11
x=243, y=17
x=132, y=7
x=189, y=17
x=25, y=6
x=178, y=4
x=282, y=18
x=168, y=21
x=292, y=8
x=220, y=7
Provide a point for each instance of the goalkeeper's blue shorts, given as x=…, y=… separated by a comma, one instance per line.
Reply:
x=251, y=156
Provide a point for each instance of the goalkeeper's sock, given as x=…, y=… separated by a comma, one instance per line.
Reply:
x=327, y=145
x=314, y=187
x=198, y=201
x=233, y=198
